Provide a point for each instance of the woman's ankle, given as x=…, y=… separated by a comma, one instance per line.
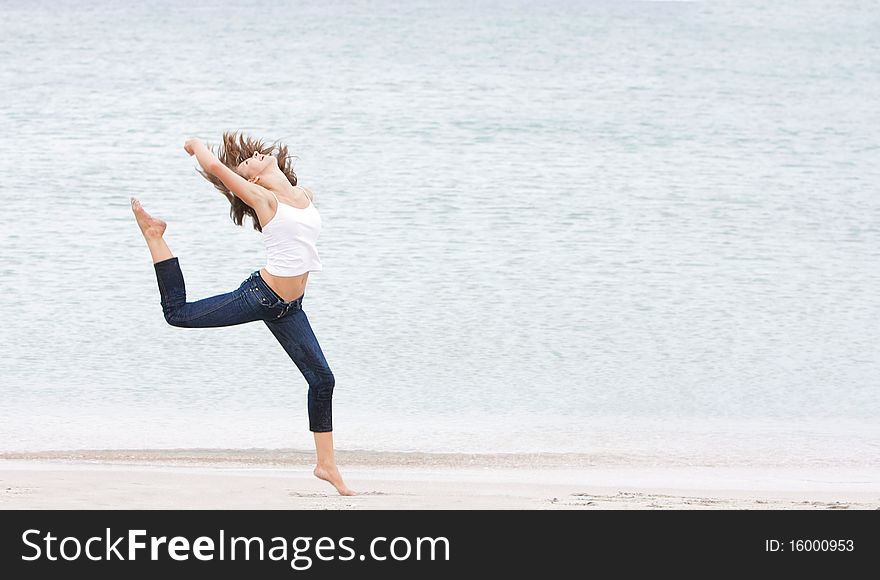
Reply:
x=327, y=464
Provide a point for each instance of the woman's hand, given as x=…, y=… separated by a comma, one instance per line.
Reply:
x=205, y=157
x=191, y=144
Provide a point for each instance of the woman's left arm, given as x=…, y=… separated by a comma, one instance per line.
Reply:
x=250, y=193
x=204, y=156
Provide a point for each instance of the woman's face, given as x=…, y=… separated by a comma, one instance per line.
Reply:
x=256, y=165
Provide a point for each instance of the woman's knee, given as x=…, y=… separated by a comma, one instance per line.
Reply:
x=174, y=318
x=324, y=384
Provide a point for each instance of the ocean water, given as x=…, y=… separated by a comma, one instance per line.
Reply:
x=640, y=228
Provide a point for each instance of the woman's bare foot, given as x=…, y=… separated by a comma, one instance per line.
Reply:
x=151, y=227
x=331, y=475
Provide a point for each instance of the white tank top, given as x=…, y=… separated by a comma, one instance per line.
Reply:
x=291, y=237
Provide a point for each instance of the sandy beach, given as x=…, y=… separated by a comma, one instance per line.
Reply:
x=282, y=479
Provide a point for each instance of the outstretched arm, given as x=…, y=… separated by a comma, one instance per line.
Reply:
x=250, y=193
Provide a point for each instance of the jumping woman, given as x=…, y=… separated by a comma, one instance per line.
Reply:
x=258, y=180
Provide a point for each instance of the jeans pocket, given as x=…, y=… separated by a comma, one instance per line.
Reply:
x=262, y=298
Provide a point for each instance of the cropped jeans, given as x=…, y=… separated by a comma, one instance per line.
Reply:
x=255, y=300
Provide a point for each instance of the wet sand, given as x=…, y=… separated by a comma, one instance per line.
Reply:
x=282, y=479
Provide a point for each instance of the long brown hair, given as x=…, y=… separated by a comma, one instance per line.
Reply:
x=237, y=147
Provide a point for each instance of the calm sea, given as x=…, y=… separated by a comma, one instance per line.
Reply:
x=639, y=228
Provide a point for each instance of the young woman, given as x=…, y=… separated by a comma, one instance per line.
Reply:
x=258, y=180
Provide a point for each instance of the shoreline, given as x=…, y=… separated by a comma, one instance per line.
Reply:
x=282, y=479
x=363, y=457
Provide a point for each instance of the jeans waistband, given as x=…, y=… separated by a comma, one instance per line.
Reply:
x=255, y=276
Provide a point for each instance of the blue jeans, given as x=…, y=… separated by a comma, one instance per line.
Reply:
x=255, y=300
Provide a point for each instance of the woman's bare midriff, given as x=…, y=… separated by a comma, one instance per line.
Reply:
x=287, y=287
